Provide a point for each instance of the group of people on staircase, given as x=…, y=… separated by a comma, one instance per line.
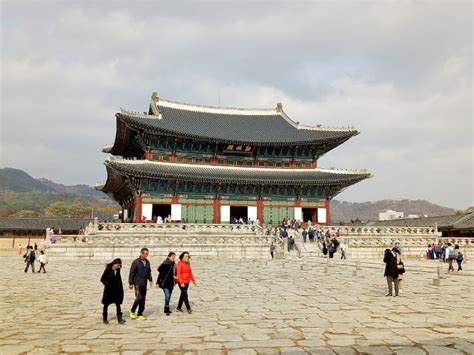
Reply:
x=169, y=274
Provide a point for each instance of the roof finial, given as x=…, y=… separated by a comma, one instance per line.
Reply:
x=154, y=96
x=279, y=107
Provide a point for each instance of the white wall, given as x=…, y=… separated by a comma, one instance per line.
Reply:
x=147, y=210
x=299, y=213
x=225, y=214
x=252, y=212
x=176, y=212
x=322, y=215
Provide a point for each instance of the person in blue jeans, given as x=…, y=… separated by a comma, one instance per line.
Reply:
x=166, y=279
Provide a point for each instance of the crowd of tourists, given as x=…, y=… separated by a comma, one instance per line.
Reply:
x=170, y=274
x=447, y=253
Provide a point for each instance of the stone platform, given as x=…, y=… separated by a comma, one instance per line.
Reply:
x=266, y=307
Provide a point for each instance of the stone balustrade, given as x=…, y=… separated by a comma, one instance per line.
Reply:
x=172, y=228
x=381, y=230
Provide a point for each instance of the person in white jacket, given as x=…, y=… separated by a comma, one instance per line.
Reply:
x=450, y=256
x=43, y=260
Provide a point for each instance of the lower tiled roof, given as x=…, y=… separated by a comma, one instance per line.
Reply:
x=243, y=175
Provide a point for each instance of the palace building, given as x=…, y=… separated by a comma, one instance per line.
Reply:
x=203, y=164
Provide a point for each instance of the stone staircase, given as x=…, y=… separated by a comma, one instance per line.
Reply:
x=106, y=241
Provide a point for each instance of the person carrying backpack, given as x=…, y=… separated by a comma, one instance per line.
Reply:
x=30, y=258
x=459, y=257
x=451, y=256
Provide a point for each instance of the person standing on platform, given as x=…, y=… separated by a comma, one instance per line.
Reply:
x=113, y=289
x=391, y=271
x=30, y=258
x=43, y=260
x=166, y=279
x=140, y=273
x=185, y=276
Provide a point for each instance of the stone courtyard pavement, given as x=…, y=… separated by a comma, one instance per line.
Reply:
x=244, y=307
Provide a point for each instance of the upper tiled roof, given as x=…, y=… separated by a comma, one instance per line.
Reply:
x=231, y=124
x=209, y=173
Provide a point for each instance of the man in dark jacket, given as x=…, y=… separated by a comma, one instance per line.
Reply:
x=166, y=279
x=391, y=270
x=30, y=258
x=140, y=273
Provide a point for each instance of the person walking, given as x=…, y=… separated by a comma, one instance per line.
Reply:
x=166, y=279
x=140, y=273
x=272, y=250
x=391, y=271
x=43, y=260
x=459, y=257
x=30, y=258
x=342, y=248
x=451, y=256
x=305, y=235
x=113, y=289
x=185, y=276
x=400, y=268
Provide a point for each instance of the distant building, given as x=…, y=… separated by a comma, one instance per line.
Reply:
x=389, y=215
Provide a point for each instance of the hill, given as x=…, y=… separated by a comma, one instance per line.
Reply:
x=21, y=193
x=369, y=211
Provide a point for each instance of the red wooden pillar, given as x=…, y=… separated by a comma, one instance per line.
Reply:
x=314, y=163
x=328, y=212
x=173, y=158
x=217, y=210
x=138, y=209
x=293, y=164
x=148, y=155
x=260, y=210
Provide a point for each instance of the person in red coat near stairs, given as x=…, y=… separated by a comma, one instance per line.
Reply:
x=185, y=276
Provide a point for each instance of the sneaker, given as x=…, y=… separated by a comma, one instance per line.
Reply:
x=190, y=311
x=141, y=317
x=133, y=315
x=388, y=294
x=179, y=310
x=400, y=291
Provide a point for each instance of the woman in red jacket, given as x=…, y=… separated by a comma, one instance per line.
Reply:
x=185, y=276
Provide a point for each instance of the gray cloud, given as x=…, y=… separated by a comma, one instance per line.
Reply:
x=399, y=72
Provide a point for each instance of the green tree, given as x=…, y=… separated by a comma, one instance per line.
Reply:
x=26, y=213
x=79, y=211
x=57, y=209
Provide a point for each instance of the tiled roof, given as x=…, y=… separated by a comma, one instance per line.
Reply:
x=41, y=223
x=231, y=124
x=242, y=175
x=465, y=221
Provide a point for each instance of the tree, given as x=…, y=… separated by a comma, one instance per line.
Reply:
x=57, y=209
x=26, y=213
x=79, y=211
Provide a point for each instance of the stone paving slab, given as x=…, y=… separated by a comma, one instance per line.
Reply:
x=241, y=307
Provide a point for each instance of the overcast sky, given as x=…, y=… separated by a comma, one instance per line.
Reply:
x=401, y=73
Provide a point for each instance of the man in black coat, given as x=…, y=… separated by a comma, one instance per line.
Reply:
x=140, y=273
x=391, y=271
x=113, y=289
x=166, y=279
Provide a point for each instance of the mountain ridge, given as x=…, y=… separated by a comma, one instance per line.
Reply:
x=21, y=191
